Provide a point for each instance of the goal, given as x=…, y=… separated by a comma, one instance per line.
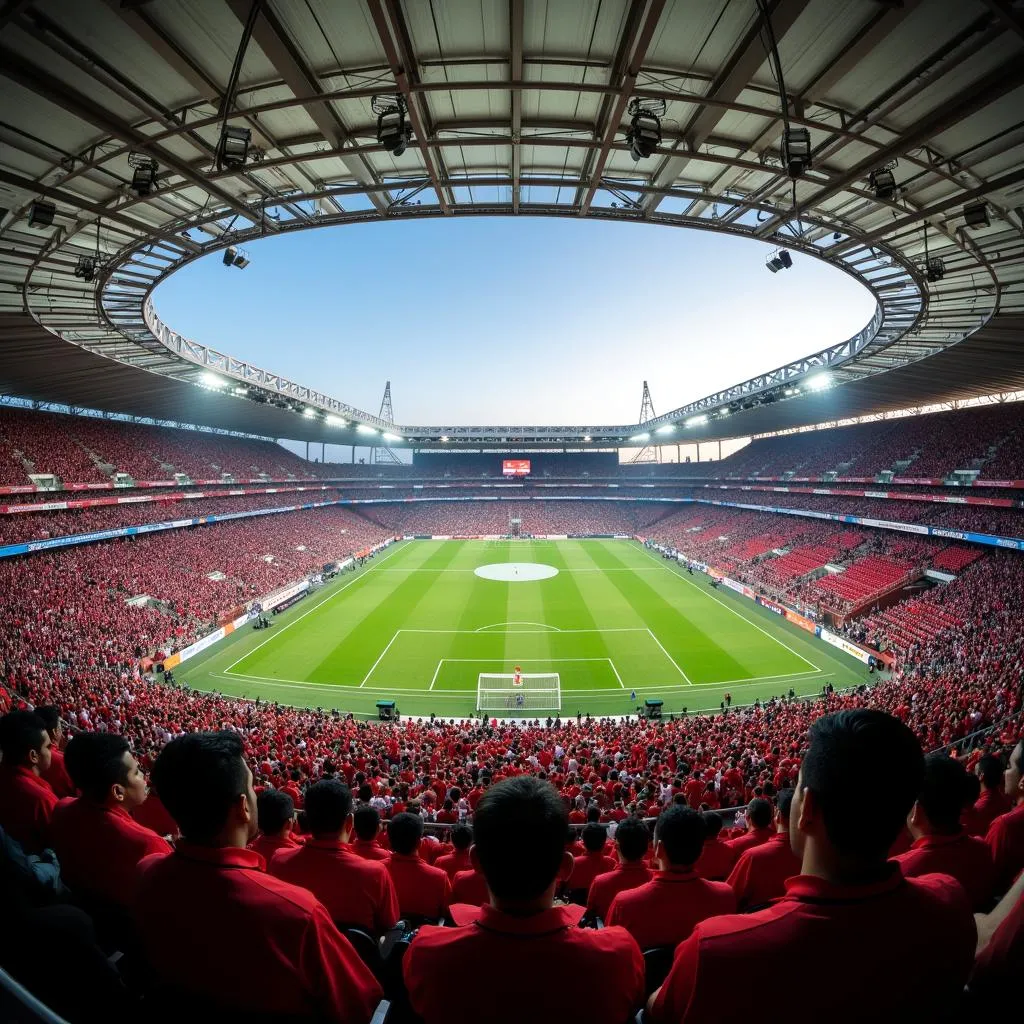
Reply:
x=539, y=691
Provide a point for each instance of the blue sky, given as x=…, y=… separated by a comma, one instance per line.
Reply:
x=501, y=320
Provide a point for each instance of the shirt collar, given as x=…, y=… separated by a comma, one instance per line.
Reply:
x=221, y=856
x=545, y=923
x=933, y=841
x=675, y=875
x=811, y=889
x=328, y=844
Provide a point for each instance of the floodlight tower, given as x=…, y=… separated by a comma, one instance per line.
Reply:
x=385, y=456
x=649, y=453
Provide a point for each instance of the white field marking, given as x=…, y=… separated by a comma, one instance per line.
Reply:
x=544, y=628
x=616, y=671
x=523, y=661
x=299, y=618
x=571, y=572
x=436, y=673
x=739, y=614
x=670, y=658
x=379, y=658
x=614, y=629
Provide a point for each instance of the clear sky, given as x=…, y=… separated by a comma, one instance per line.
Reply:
x=501, y=320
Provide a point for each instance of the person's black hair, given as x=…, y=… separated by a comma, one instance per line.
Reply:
x=367, y=822
x=759, y=813
x=50, y=714
x=200, y=777
x=680, y=830
x=991, y=768
x=365, y=793
x=95, y=762
x=712, y=824
x=20, y=733
x=274, y=808
x=462, y=837
x=972, y=789
x=943, y=792
x=632, y=838
x=846, y=750
x=593, y=814
x=327, y=803
x=519, y=827
x=405, y=831
x=784, y=802
x=594, y=837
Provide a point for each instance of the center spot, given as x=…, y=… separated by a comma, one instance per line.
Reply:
x=515, y=572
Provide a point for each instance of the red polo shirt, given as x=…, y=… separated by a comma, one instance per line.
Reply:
x=355, y=891
x=423, y=890
x=898, y=950
x=1000, y=965
x=987, y=808
x=965, y=858
x=716, y=860
x=99, y=848
x=369, y=849
x=1005, y=838
x=586, y=868
x=213, y=920
x=543, y=950
x=606, y=887
x=749, y=839
x=665, y=910
x=267, y=846
x=155, y=816
x=452, y=863
x=761, y=872
x=26, y=805
x=57, y=776
x=470, y=887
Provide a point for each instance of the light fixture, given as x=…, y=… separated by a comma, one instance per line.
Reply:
x=390, y=437
x=211, y=380
x=241, y=260
x=641, y=437
x=444, y=437
x=586, y=437
x=668, y=428
x=883, y=182
x=335, y=421
x=935, y=270
x=976, y=215
x=233, y=150
x=696, y=421
x=365, y=428
x=781, y=259
x=40, y=214
x=392, y=131
x=309, y=413
x=818, y=382
x=229, y=256
x=241, y=390
x=644, y=135
x=725, y=412
x=85, y=268
x=144, y=177
x=796, y=151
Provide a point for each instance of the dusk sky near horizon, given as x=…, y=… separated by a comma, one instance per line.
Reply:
x=501, y=320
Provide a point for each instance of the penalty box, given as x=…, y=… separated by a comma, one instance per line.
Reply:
x=452, y=659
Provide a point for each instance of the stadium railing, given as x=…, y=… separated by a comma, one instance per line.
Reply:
x=19, y=1006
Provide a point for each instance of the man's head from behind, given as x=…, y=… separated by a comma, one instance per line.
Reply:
x=24, y=741
x=367, y=823
x=275, y=812
x=859, y=778
x=759, y=813
x=519, y=828
x=102, y=767
x=462, y=837
x=50, y=714
x=678, y=837
x=405, y=832
x=328, y=807
x=783, y=805
x=712, y=824
x=594, y=837
x=990, y=770
x=632, y=838
x=206, y=786
x=942, y=798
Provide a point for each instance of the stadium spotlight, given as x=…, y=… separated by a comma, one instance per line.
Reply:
x=144, y=177
x=586, y=437
x=724, y=411
x=229, y=256
x=309, y=413
x=668, y=428
x=935, y=270
x=644, y=135
x=796, y=151
x=779, y=260
x=392, y=131
x=211, y=380
x=883, y=182
x=240, y=390
x=697, y=421
x=335, y=421
x=641, y=437
x=365, y=428
x=233, y=150
x=41, y=214
x=444, y=438
x=85, y=268
x=976, y=215
x=241, y=260
x=818, y=382
x=390, y=437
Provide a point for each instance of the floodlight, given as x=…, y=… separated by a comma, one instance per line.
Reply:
x=211, y=380
x=725, y=412
x=697, y=421
x=785, y=258
x=668, y=428
x=883, y=182
x=85, y=268
x=365, y=428
x=818, y=382
x=976, y=215
x=241, y=260
x=586, y=437
x=796, y=151
x=641, y=437
x=390, y=437
x=335, y=421
x=935, y=270
x=240, y=390
x=234, y=146
x=309, y=413
x=41, y=214
x=444, y=437
x=644, y=135
x=229, y=256
x=144, y=177
x=392, y=131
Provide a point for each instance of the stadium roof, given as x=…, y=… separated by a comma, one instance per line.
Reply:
x=513, y=107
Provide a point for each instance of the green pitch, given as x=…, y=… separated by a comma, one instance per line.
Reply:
x=418, y=625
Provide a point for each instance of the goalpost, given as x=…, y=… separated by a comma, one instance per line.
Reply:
x=535, y=691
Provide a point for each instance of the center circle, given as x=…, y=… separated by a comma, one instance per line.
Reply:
x=515, y=572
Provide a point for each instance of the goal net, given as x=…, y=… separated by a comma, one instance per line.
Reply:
x=538, y=691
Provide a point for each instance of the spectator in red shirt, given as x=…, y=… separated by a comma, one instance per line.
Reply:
x=999, y=964
x=665, y=910
x=357, y=893
x=97, y=840
x=1005, y=837
x=716, y=858
x=275, y=812
x=26, y=799
x=458, y=860
x=593, y=863
x=908, y=944
x=941, y=845
x=632, y=839
x=759, y=827
x=214, y=923
x=470, y=887
x=366, y=822
x=761, y=872
x=993, y=800
x=423, y=890
x=56, y=775
x=520, y=834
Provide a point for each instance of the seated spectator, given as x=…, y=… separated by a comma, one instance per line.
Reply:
x=367, y=828
x=520, y=848
x=98, y=842
x=1000, y=958
x=470, y=887
x=458, y=859
x=356, y=892
x=632, y=840
x=215, y=924
x=993, y=800
x=56, y=775
x=759, y=827
x=761, y=872
x=593, y=863
x=908, y=943
x=665, y=910
x=1005, y=837
x=716, y=858
x=275, y=812
x=423, y=890
x=941, y=845
x=26, y=799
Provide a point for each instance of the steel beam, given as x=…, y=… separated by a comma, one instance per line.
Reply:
x=515, y=34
